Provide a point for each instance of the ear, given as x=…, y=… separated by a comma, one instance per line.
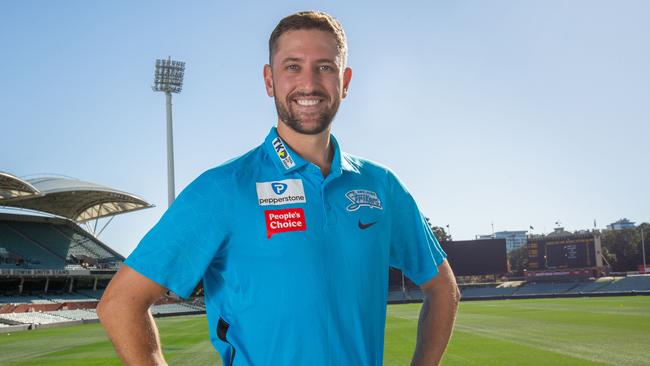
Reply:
x=347, y=76
x=268, y=80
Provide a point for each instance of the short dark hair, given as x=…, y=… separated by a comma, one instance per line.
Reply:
x=310, y=20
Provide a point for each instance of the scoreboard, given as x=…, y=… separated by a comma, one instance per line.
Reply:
x=575, y=251
x=466, y=258
x=477, y=257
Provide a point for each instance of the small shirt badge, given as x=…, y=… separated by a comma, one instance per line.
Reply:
x=282, y=192
x=283, y=153
x=362, y=198
x=281, y=221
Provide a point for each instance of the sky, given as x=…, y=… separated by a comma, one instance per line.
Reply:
x=505, y=113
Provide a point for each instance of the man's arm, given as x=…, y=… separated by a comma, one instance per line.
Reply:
x=441, y=297
x=124, y=313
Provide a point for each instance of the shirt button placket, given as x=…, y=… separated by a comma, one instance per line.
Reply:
x=329, y=218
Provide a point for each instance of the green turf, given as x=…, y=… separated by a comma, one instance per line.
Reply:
x=581, y=331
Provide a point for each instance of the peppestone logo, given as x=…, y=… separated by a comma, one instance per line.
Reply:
x=279, y=188
x=281, y=192
x=362, y=198
x=285, y=220
x=283, y=154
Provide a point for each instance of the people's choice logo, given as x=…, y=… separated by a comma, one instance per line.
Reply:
x=283, y=192
x=282, y=221
x=362, y=198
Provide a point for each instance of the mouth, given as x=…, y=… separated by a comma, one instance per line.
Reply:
x=308, y=101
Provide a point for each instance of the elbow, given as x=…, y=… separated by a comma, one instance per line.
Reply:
x=447, y=292
x=106, y=308
x=103, y=309
x=454, y=291
x=456, y=294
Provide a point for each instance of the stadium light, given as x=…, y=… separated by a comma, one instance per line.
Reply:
x=645, y=269
x=168, y=78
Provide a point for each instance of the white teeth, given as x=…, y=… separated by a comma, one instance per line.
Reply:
x=307, y=102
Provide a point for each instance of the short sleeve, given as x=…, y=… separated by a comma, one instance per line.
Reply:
x=176, y=252
x=414, y=249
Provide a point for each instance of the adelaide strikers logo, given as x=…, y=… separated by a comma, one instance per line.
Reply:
x=362, y=198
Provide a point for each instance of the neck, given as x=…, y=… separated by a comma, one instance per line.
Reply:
x=316, y=149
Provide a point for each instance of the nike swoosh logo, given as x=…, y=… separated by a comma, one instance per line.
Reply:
x=363, y=226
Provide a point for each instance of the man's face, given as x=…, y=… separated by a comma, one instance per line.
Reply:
x=306, y=80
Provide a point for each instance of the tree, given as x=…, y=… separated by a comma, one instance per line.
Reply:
x=622, y=248
x=518, y=259
x=439, y=232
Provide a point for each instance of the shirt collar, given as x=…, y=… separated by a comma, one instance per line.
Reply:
x=287, y=160
x=283, y=157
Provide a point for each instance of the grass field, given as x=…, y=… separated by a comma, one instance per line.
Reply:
x=580, y=331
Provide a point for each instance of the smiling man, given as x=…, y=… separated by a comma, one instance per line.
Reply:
x=293, y=240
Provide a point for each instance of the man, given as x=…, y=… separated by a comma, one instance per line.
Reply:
x=293, y=240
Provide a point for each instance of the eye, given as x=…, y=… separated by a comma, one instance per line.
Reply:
x=293, y=67
x=326, y=68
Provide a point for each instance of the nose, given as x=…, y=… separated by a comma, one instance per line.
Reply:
x=309, y=81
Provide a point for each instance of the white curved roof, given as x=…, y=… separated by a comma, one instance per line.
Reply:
x=74, y=199
x=12, y=187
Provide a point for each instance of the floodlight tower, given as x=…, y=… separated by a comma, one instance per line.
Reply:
x=169, y=79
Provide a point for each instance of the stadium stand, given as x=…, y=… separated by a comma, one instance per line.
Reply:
x=73, y=297
x=33, y=253
x=76, y=314
x=544, y=288
x=52, y=271
x=396, y=296
x=92, y=294
x=34, y=318
x=415, y=294
x=180, y=308
x=66, y=316
x=24, y=300
x=602, y=286
x=51, y=243
x=630, y=283
x=487, y=291
x=591, y=286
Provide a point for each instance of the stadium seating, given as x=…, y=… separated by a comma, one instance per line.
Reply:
x=35, y=253
x=591, y=286
x=65, y=297
x=601, y=285
x=92, y=294
x=175, y=308
x=415, y=294
x=24, y=300
x=50, y=245
x=84, y=245
x=43, y=234
x=489, y=291
x=77, y=314
x=630, y=283
x=544, y=288
x=34, y=318
x=396, y=296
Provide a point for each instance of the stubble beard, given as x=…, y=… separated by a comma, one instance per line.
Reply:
x=295, y=122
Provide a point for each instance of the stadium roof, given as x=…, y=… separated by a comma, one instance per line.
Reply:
x=67, y=197
x=12, y=187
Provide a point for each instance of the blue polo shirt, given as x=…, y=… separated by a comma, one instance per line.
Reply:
x=294, y=264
